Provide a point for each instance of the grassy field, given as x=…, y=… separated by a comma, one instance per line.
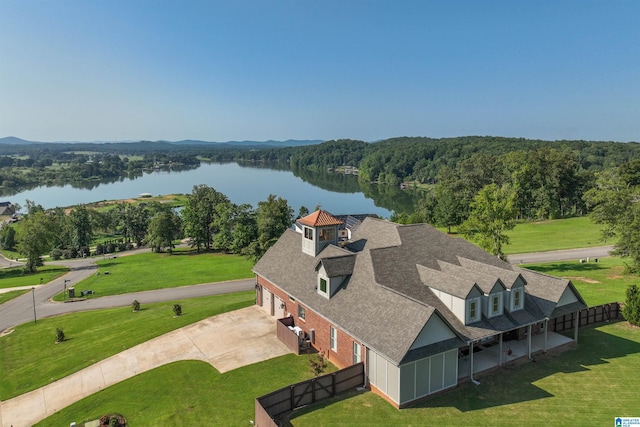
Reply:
x=190, y=393
x=598, y=283
x=577, y=387
x=29, y=358
x=588, y=386
x=15, y=276
x=147, y=271
x=554, y=235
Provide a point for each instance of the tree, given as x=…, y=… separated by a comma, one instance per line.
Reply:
x=448, y=210
x=163, y=229
x=7, y=237
x=35, y=238
x=614, y=203
x=80, y=225
x=631, y=309
x=492, y=214
x=199, y=215
x=273, y=217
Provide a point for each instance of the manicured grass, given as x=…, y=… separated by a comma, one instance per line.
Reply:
x=189, y=393
x=587, y=386
x=554, y=235
x=147, y=271
x=15, y=276
x=6, y=296
x=29, y=358
x=598, y=283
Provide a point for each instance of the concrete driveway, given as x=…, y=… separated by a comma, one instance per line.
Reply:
x=227, y=341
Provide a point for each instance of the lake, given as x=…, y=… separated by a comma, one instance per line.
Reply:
x=241, y=184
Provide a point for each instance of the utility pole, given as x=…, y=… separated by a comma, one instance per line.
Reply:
x=33, y=295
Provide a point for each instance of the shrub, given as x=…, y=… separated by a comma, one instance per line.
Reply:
x=56, y=254
x=111, y=248
x=59, y=335
x=177, y=309
x=122, y=246
x=135, y=305
x=317, y=364
x=99, y=249
x=631, y=310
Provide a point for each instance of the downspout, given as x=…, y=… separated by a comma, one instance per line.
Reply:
x=529, y=341
x=473, y=380
x=575, y=331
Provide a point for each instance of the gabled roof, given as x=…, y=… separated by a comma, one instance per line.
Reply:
x=456, y=285
x=486, y=282
x=320, y=218
x=385, y=304
x=337, y=265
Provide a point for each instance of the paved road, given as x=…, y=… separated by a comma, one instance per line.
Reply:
x=20, y=310
x=563, y=255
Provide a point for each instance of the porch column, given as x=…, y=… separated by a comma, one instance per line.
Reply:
x=546, y=327
x=575, y=327
x=500, y=354
x=529, y=341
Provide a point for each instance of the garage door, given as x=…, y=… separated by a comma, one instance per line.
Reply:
x=267, y=304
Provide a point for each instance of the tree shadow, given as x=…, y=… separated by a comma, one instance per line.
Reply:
x=564, y=267
x=516, y=383
x=513, y=383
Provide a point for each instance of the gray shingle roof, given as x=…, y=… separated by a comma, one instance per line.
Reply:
x=338, y=265
x=385, y=303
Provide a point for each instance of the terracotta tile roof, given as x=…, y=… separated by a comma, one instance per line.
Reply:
x=320, y=218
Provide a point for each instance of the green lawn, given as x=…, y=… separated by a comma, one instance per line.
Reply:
x=6, y=296
x=29, y=358
x=589, y=385
x=554, y=235
x=141, y=272
x=189, y=393
x=15, y=276
x=598, y=283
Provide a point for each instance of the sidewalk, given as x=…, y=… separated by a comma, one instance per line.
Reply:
x=227, y=341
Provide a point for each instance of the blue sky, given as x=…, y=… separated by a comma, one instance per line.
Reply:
x=89, y=70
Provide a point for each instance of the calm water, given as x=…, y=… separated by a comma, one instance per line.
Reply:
x=240, y=184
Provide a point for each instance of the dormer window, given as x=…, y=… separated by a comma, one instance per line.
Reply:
x=495, y=305
x=323, y=286
x=473, y=310
x=517, y=299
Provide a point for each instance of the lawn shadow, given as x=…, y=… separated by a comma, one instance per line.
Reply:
x=564, y=267
x=515, y=383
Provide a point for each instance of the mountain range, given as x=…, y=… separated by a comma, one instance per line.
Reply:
x=12, y=140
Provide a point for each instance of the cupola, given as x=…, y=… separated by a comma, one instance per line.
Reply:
x=319, y=229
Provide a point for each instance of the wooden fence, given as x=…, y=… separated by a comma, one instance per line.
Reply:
x=588, y=316
x=286, y=335
x=305, y=393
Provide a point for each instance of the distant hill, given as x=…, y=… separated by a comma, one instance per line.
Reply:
x=12, y=140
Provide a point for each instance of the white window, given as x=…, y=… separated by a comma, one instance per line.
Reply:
x=495, y=304
x=301, y=312
x=308, y=233
x=333, y=339
x=473, y=310
x=357, y=350
x=517, y=300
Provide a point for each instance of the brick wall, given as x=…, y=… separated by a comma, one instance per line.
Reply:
x=344, y=356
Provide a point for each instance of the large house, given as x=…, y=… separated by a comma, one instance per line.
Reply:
x=421, y=309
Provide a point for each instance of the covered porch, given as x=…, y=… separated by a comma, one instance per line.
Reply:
x=491, y=355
